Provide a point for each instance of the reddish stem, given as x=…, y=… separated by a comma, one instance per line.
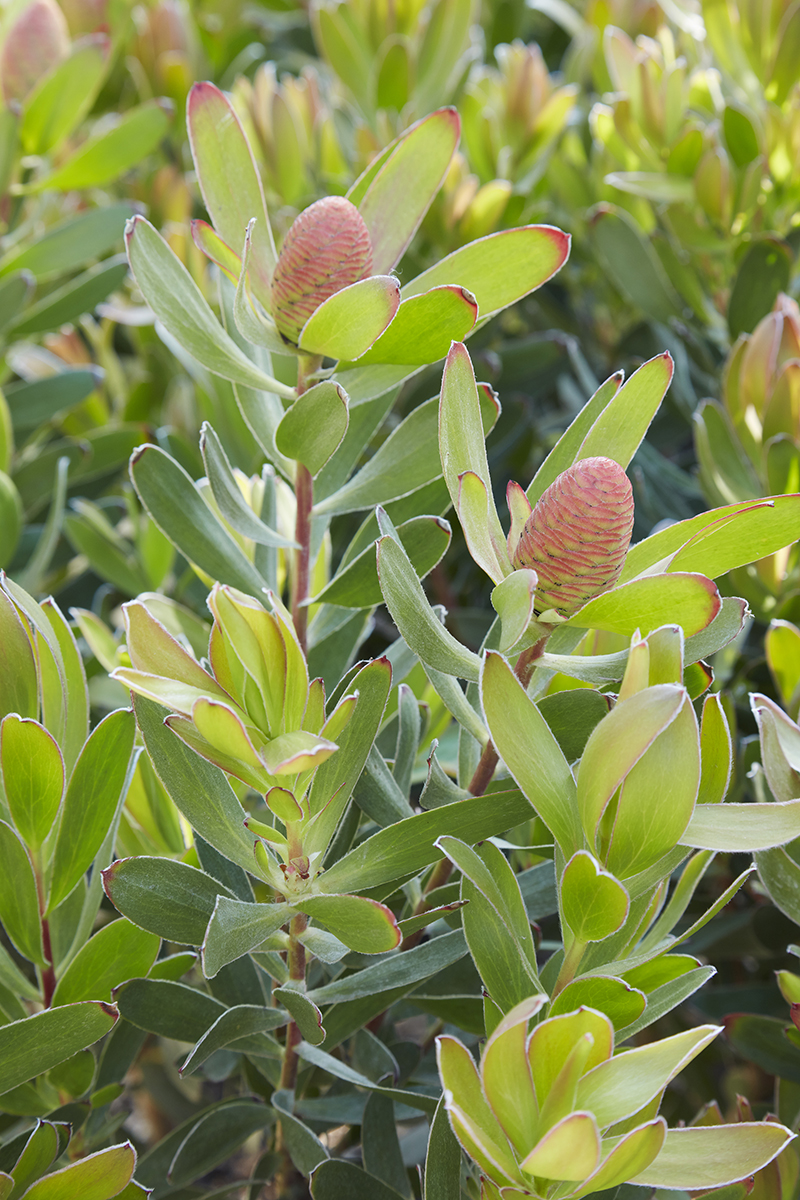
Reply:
x=48, y=974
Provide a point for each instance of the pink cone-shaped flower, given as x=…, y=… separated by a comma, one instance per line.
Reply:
x=578, y=534
x=327, y=248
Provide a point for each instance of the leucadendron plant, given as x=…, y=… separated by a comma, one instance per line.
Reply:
x=749, y=445
x=62, y=792
x=324, y=894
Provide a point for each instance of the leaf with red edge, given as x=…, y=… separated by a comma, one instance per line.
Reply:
x=362, y=924
x=500, y=268
x=403, y=188
x=229, y=179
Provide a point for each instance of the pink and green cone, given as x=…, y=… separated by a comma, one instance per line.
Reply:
x=326, y=249
x=578, y=535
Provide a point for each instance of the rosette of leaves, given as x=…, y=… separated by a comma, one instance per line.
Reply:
x=63, y=789
x=670, y=568
x=254, y=714
x=749, y=445
x=351, y=301
x=559, y=1113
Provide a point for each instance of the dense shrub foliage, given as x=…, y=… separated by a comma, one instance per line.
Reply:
x=400, y=599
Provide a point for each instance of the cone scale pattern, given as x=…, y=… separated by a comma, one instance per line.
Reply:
x=326, y=249
x=577, y=536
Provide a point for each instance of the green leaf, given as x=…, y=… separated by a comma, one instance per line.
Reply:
x=618, y=743
x=362, y=924
x=40, y=1042
x=409, y=845
x=33, y=777
x=632, y=264
x=18, y=683
x=228, y=495
x=81, y=295
x=528, y=748
x=713, y=1156
x=621, y=1002
x=98, y=1176
x=64, y=96
x=346, y=324
x=33, y=403
x=619, y=429
x=183, y=516
x=572, y=715
x=335, y=779
x=15, y=292
x=469, y=1111
x=235, y=927
x=623, y=1085
x=95, y=790
x=567, y=447
x=653, y=185
x=424, y=327
x=719, y=541
x=305, y=1148
x=499, y=269
x=402, y=188
x=593, y=903
x=463, y=449
x=743, y=827
x=715, y=753
x=443, y=1160
x=570, y=1148
x=335, y=1179
x=243, y=1021
x=382, y=1156
x=490, y=873
x=198, y=788
x=414, y=617
x=252, y=323
x=398, y=971
x=182, y=309
x=765, y=1041
x=215, y=1137
x=689, y=600
x=71, y=243
x=764, y=271
x=19, y=897
x=117, y=952
x=103, y=550
x=105, y=157
x=312, y=429
x=512, y=600
x=171, y=1010
x=166, y=897
x=229, y=180
x=425, y=541
x=405, y=462
x=666, y=997
x=305, y=1014
x=780, y=875
x=506, y=971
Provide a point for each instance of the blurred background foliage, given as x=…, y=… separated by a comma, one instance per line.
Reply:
x=665, y=137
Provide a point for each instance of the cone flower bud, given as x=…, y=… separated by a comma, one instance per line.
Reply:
x=327, y=248
x=578, y=534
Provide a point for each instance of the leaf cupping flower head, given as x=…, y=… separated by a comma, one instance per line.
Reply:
x=327, y=248
x=578, y=535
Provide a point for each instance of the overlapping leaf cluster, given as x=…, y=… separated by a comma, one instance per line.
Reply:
x=292, y=896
